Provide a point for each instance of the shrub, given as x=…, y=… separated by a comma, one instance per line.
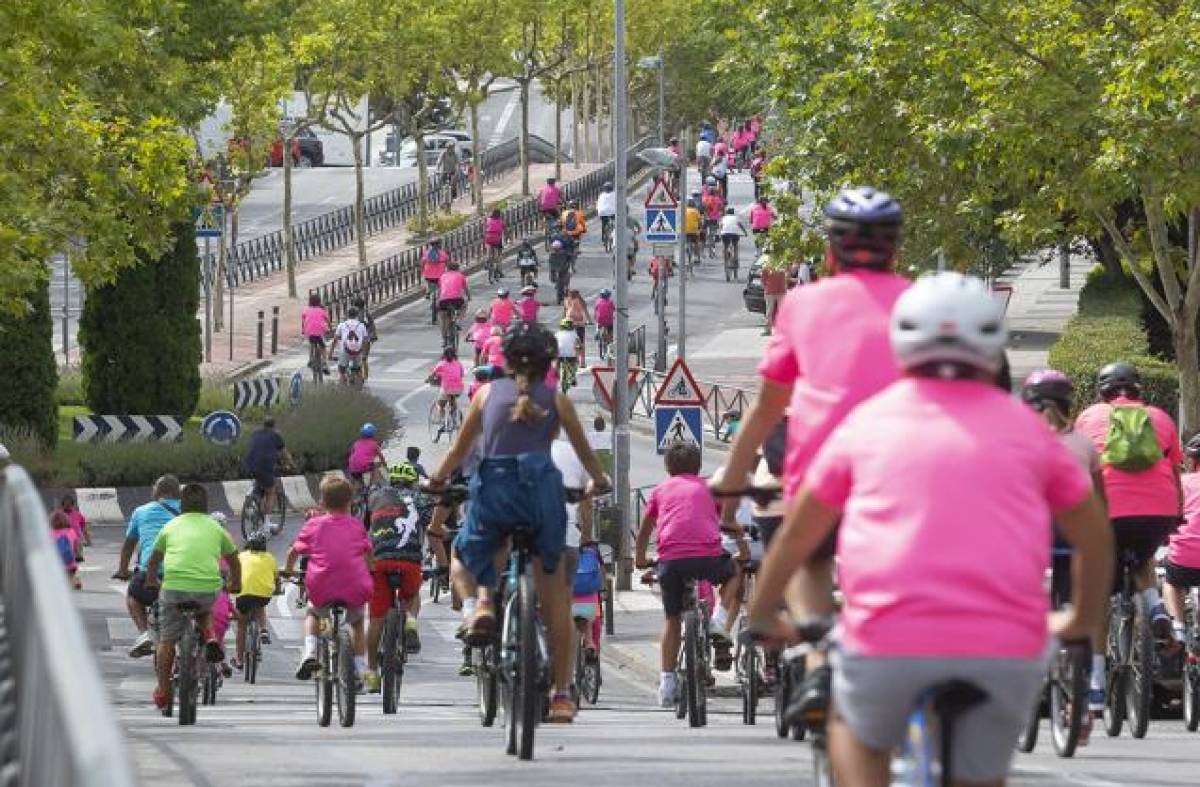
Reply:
x=214, y=395
x=445, y=222
x=27, y=448
x=30, y=373
x=70, y=387
x=319, y=432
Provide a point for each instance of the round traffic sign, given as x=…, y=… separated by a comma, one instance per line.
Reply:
x=296, y=387
x=221, y=427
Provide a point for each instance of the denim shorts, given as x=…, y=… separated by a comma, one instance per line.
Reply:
x=508, y=494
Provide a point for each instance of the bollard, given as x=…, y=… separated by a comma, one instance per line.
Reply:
x=274, y=329
x=260, y=334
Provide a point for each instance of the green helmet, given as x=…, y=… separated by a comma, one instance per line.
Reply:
x=403, y=474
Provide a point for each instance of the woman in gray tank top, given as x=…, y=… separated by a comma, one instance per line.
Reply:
x=517, y=487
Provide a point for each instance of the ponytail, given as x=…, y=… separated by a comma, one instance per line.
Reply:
x=525, y=410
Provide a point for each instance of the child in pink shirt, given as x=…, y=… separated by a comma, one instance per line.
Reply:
x=528, y=306
x=339, y=571
x=480, y=376
x=502, y=309
x=478, y=333
x=448, y=374
x=687, y=520
x=366, y=455
x=1183, y=552
x=493, y=230
x=83, y=532
x=314, y=324
x=66, y=541
x=494, y=350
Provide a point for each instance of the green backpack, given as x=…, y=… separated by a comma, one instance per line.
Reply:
x=1131, y=444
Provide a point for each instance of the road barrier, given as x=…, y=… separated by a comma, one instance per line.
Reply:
x=400, y=274
x=56, y=724
x=724, y=405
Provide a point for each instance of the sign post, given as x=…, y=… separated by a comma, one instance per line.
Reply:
x=210, y=223
x=662, y=231
x=679, y=410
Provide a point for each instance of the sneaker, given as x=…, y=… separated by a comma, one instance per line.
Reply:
x=308, y=666
x=412, y=639
x=372, y=680
x=666, y=692
x=1096, y=700
x=1160, y=623
x=466, y=669
x=237, y=664
x=562, y=709
x=809, y=700
x=142, y=646
x=213, y=652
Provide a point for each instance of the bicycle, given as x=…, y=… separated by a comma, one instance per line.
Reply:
x=562, y=283
x=750, y=662
x=253, y=513
x=253, y=654
x=189, y=658
x=693, y=255
x=587, y=670
x=552, y=226
x=444, y=419
x=568, y=370
x=606, y=233
x=211, y=682
x=692, y=663
x=711, y=235
x=604, y=341
x=731, y=259
x=393, y=653
x=316, y=363
x=1129, y=656
x=356, y=372
x=494, y=271
x=335, y=679
x=1191, y=661
x=433, y=291
x=448, y=321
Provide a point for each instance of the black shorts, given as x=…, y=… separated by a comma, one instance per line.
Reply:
x=1182, y=576
x=264, y=482
x=247, y=604
x=451, y=305
x=318, y=341
x=767, y=525
x=1141, y=535
x=673, y=576
x=138, y=590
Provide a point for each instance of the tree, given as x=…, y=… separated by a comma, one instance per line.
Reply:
x=534, y=52
x=30, y=374
x=139, y=356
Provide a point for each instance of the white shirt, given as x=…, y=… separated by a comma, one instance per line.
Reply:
x=566, y=343
x=730, y=225
x=704, y=149
x=606, y=203
x=720, y=167
x=574, y=477
x=346, y=326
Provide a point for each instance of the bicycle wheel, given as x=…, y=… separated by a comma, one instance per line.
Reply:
x=347, y=690
x=1116, y=649
x=1139, y=688
x=1068, y=699
x=252, y=515
x=822, y=769
x=1027, y=739
x=783, y=686
x=185, y=665
x=528, y=711
x=577, y=677
x=486, y=683
x=750, y=685
x=324, y=683
x=693, y=664
x=389, y=650
x=253, y=651
x=1191, y=695
x=436, y=424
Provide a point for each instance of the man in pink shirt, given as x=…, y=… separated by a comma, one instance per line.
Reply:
x=689, y=548
x=762, y=216
x=1183, y=554
x=1143, y=505
x=550, y=199
x=945, y=487
x=453, y=290
x=338, y=573
x=829, y=351
x=433, y=264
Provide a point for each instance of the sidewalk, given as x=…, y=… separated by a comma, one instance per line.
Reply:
x=265, y=294
x=1039, y=310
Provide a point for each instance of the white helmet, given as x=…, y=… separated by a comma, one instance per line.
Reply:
x=949, y=318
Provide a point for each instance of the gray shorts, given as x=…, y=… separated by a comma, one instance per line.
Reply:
x=170, y=618
x=353, y=613
x=874, y=697
x=344, y=357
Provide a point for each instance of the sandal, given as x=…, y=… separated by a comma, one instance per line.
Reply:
x=483, y=626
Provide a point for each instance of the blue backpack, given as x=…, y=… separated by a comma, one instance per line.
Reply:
x=63, y=544
x=590, y=574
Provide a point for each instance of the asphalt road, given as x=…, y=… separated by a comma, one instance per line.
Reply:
x=267, y=734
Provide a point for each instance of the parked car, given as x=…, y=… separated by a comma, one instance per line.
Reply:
x=752, y=295
x=307, y=150
x=433, y=141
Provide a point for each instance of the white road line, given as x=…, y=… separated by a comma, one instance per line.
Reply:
x=514, y=100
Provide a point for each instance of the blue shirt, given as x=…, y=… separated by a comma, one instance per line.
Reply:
x=146, y=522
x=263, y=452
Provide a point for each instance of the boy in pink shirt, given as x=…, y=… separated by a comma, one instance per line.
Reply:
x=502, y=309
x=945, y=487
x=529, y=305
x=1183, y=553
x=314, y=323
x=366, y=456
x=338, y=573
x=478, y=333
x=66, y=542
x=688, y=522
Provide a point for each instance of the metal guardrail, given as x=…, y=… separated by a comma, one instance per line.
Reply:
x=56, y=724
x=720, y=401
x=261, y=256
x=400, y=274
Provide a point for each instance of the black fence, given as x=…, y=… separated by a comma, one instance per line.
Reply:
x=400, y=274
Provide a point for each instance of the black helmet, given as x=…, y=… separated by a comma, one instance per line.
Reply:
x=1192, y=447
x=1118, y=378
x=1051, y=385
x=864, y=227
x=529, y=346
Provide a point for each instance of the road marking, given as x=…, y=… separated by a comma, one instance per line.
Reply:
x=514, y=100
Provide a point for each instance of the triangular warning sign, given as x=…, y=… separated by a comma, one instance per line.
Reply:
x=661, y=224
x=602, y=385
x=678, y=431
x=680, y=388
x=660, y=196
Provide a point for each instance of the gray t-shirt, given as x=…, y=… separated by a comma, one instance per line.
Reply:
x=1082, y=449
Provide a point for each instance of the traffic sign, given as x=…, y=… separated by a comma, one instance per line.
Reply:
x=126, y=428
x=602, y=385
x=256, y=392
x=296, y=387
x=221, y=427
x=678, y=425
x=210, y=221
x=679, y=388
x=660, y=195
x=662, y=225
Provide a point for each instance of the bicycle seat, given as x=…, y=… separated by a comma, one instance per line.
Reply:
x=954, y=697
x=188, y=605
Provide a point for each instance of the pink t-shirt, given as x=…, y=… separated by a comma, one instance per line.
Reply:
x=451, y=375
x=494, y=348
x=1184, y=549
x=362, y=455
x=831, y=345
x=740, y=140
x=480, y=333
x=222, y=611
x=606, y=311
x=761, y=216
x=493, y=232
x=528, y=308
x=337, y=546
x=549, y=198
x=502, y=311
x=686, y=517
x=946, y=489
x=452, y=286
x=720, y=149
x=1151, y=492
x=314, y=320
x=78, y=521
x=435, y=269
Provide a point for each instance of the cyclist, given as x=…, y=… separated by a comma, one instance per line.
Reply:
x=631, y=250
x=703, y=156
x=1183, y=554
x=550, y=199
x=448, y=374
x=824, y=379
x=689, y=549
x=661, y=270
x=352, y=336
x=314, y=324
x=945, y=517
x=479, y=331
x=493, y=235
x=574, y=224
x=707, y=132
x=501, y=314
x=515, y=419
x=480, y=376
x=575, y=309
x=433, y=265
x=494, y=348
x=527, y=308
x=527, y=262
x=260, y=581
x=606, y=209
x=720, y=171
x=454, y=293
x=1140, y=457
x=145, y=524
x=412, y=456
x=368, y=320
x=261, y=463
x=338, y=572
x=605, y=310
x=762, y=216
x=732, y=231
x=560, y=258
x=568, y=351
x=365, y=462
x=757, y=164
x=692, y=222
x=714, y=207
x=189, y=549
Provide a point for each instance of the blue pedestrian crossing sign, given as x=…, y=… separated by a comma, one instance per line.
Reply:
x=210, y=221
x=678, y=425
x=662, y=224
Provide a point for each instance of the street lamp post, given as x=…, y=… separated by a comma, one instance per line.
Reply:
x=681, y=219
x=620, y=386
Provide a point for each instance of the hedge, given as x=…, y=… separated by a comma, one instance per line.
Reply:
x=1108, y=328
x=29, y=376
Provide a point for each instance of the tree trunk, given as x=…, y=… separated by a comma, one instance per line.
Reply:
x=1187, y=358
x=360, y=207
x=476, y=163
x=597, y=111
x=575, y=120
x=218, y=284
x=422, y=181
x=289, y=241
x=524, y=145
x=558, y=129
x=586, y=153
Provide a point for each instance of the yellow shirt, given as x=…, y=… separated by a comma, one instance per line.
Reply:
x=691, y=222
x=258, y=573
